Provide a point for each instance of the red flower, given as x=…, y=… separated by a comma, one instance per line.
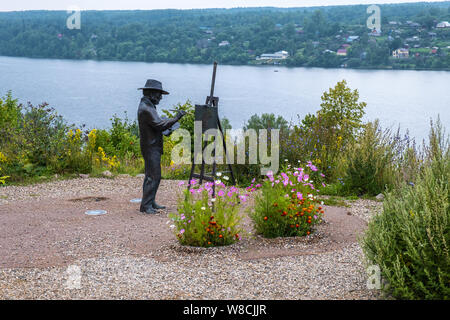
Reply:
x=265, y=218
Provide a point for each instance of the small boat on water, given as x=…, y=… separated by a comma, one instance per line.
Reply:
x=275, y=70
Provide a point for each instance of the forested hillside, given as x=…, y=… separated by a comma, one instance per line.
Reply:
x=334, y=36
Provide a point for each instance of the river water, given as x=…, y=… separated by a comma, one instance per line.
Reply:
x=91, y=92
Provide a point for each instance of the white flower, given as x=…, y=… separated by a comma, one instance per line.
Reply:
x=172, y=226
x=203, y=208
x=321, y=202
x=168, y=221
x=219, y=174
x=218, y=182
x=213, y=200
x=225, y=178
x=286, y=160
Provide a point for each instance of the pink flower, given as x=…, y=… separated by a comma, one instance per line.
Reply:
x=220, y=193
x=299, y=196
x=311, y=166
x=192, y=182
x=181, y=183
x=182, y=231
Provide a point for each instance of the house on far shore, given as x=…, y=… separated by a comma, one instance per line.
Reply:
x=401, y=53
x=443, y=24
x=342, y=52
x=280, y=55
x=352, y=38
x=375, y=33
x=224, y=43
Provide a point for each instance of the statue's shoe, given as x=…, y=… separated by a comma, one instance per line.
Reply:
x=149, y=211
x=157, y=206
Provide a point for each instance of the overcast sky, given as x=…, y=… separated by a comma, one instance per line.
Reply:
x=17, y=5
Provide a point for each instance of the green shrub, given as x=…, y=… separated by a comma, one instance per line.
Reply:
x=121, y=139
x=410, y=239
x=325, y=136
x=286, y=205
x=379, y=160
x=197, y=224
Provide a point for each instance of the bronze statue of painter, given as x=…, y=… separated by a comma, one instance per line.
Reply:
x=151, y=128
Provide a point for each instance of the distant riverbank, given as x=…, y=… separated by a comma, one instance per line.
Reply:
x=250, y=63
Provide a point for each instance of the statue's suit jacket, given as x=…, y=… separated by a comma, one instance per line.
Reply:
x=151, y=127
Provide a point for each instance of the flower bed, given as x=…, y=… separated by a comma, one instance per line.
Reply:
x=287, y=205
x=206, y=221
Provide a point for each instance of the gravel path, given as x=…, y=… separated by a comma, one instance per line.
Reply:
x=50, y=250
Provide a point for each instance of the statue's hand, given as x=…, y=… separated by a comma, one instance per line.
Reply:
x=180, y=114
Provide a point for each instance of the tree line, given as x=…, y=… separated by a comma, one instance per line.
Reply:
x=311, y=36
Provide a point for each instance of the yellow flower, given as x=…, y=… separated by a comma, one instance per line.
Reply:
x=3, y=157
x=92, y=134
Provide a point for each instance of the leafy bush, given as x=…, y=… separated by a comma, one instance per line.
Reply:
x=121, y=140
x=203, y=221
x=325, y=136
x=287, y=205
x=379, y=160
x=410, y=239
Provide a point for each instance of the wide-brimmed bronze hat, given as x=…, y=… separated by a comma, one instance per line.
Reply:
x=154, y=85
